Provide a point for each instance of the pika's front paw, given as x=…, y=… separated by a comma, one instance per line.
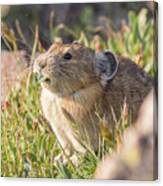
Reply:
x=65, y=159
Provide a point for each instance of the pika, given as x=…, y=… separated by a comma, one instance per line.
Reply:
x=77, y=83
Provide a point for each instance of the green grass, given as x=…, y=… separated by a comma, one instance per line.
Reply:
x=28, y=145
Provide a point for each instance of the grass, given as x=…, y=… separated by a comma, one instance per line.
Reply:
x=28, y=145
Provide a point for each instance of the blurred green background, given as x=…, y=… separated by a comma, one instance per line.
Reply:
x=93, y=18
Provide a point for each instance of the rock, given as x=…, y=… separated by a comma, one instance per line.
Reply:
x=13, y=65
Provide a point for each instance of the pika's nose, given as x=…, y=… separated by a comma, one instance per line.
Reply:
x=39, y=65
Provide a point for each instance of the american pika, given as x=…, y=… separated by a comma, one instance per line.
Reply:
x=77, y=83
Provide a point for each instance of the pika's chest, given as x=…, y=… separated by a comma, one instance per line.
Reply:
x=67, y=110
x=48, y=103
x=56, y=108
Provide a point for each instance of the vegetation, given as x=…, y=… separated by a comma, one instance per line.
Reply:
x=28, y=146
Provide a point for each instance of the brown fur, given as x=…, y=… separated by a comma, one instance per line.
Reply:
x=74, y=95
x=137, y=157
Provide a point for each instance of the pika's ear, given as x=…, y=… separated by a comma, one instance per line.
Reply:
x=106, y=66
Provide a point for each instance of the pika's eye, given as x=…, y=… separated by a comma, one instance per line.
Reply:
x=67, y=56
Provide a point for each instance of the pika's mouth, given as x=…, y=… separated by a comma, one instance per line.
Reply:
x=42, y=78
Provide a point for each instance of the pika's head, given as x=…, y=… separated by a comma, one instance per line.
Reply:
x=67, y=68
